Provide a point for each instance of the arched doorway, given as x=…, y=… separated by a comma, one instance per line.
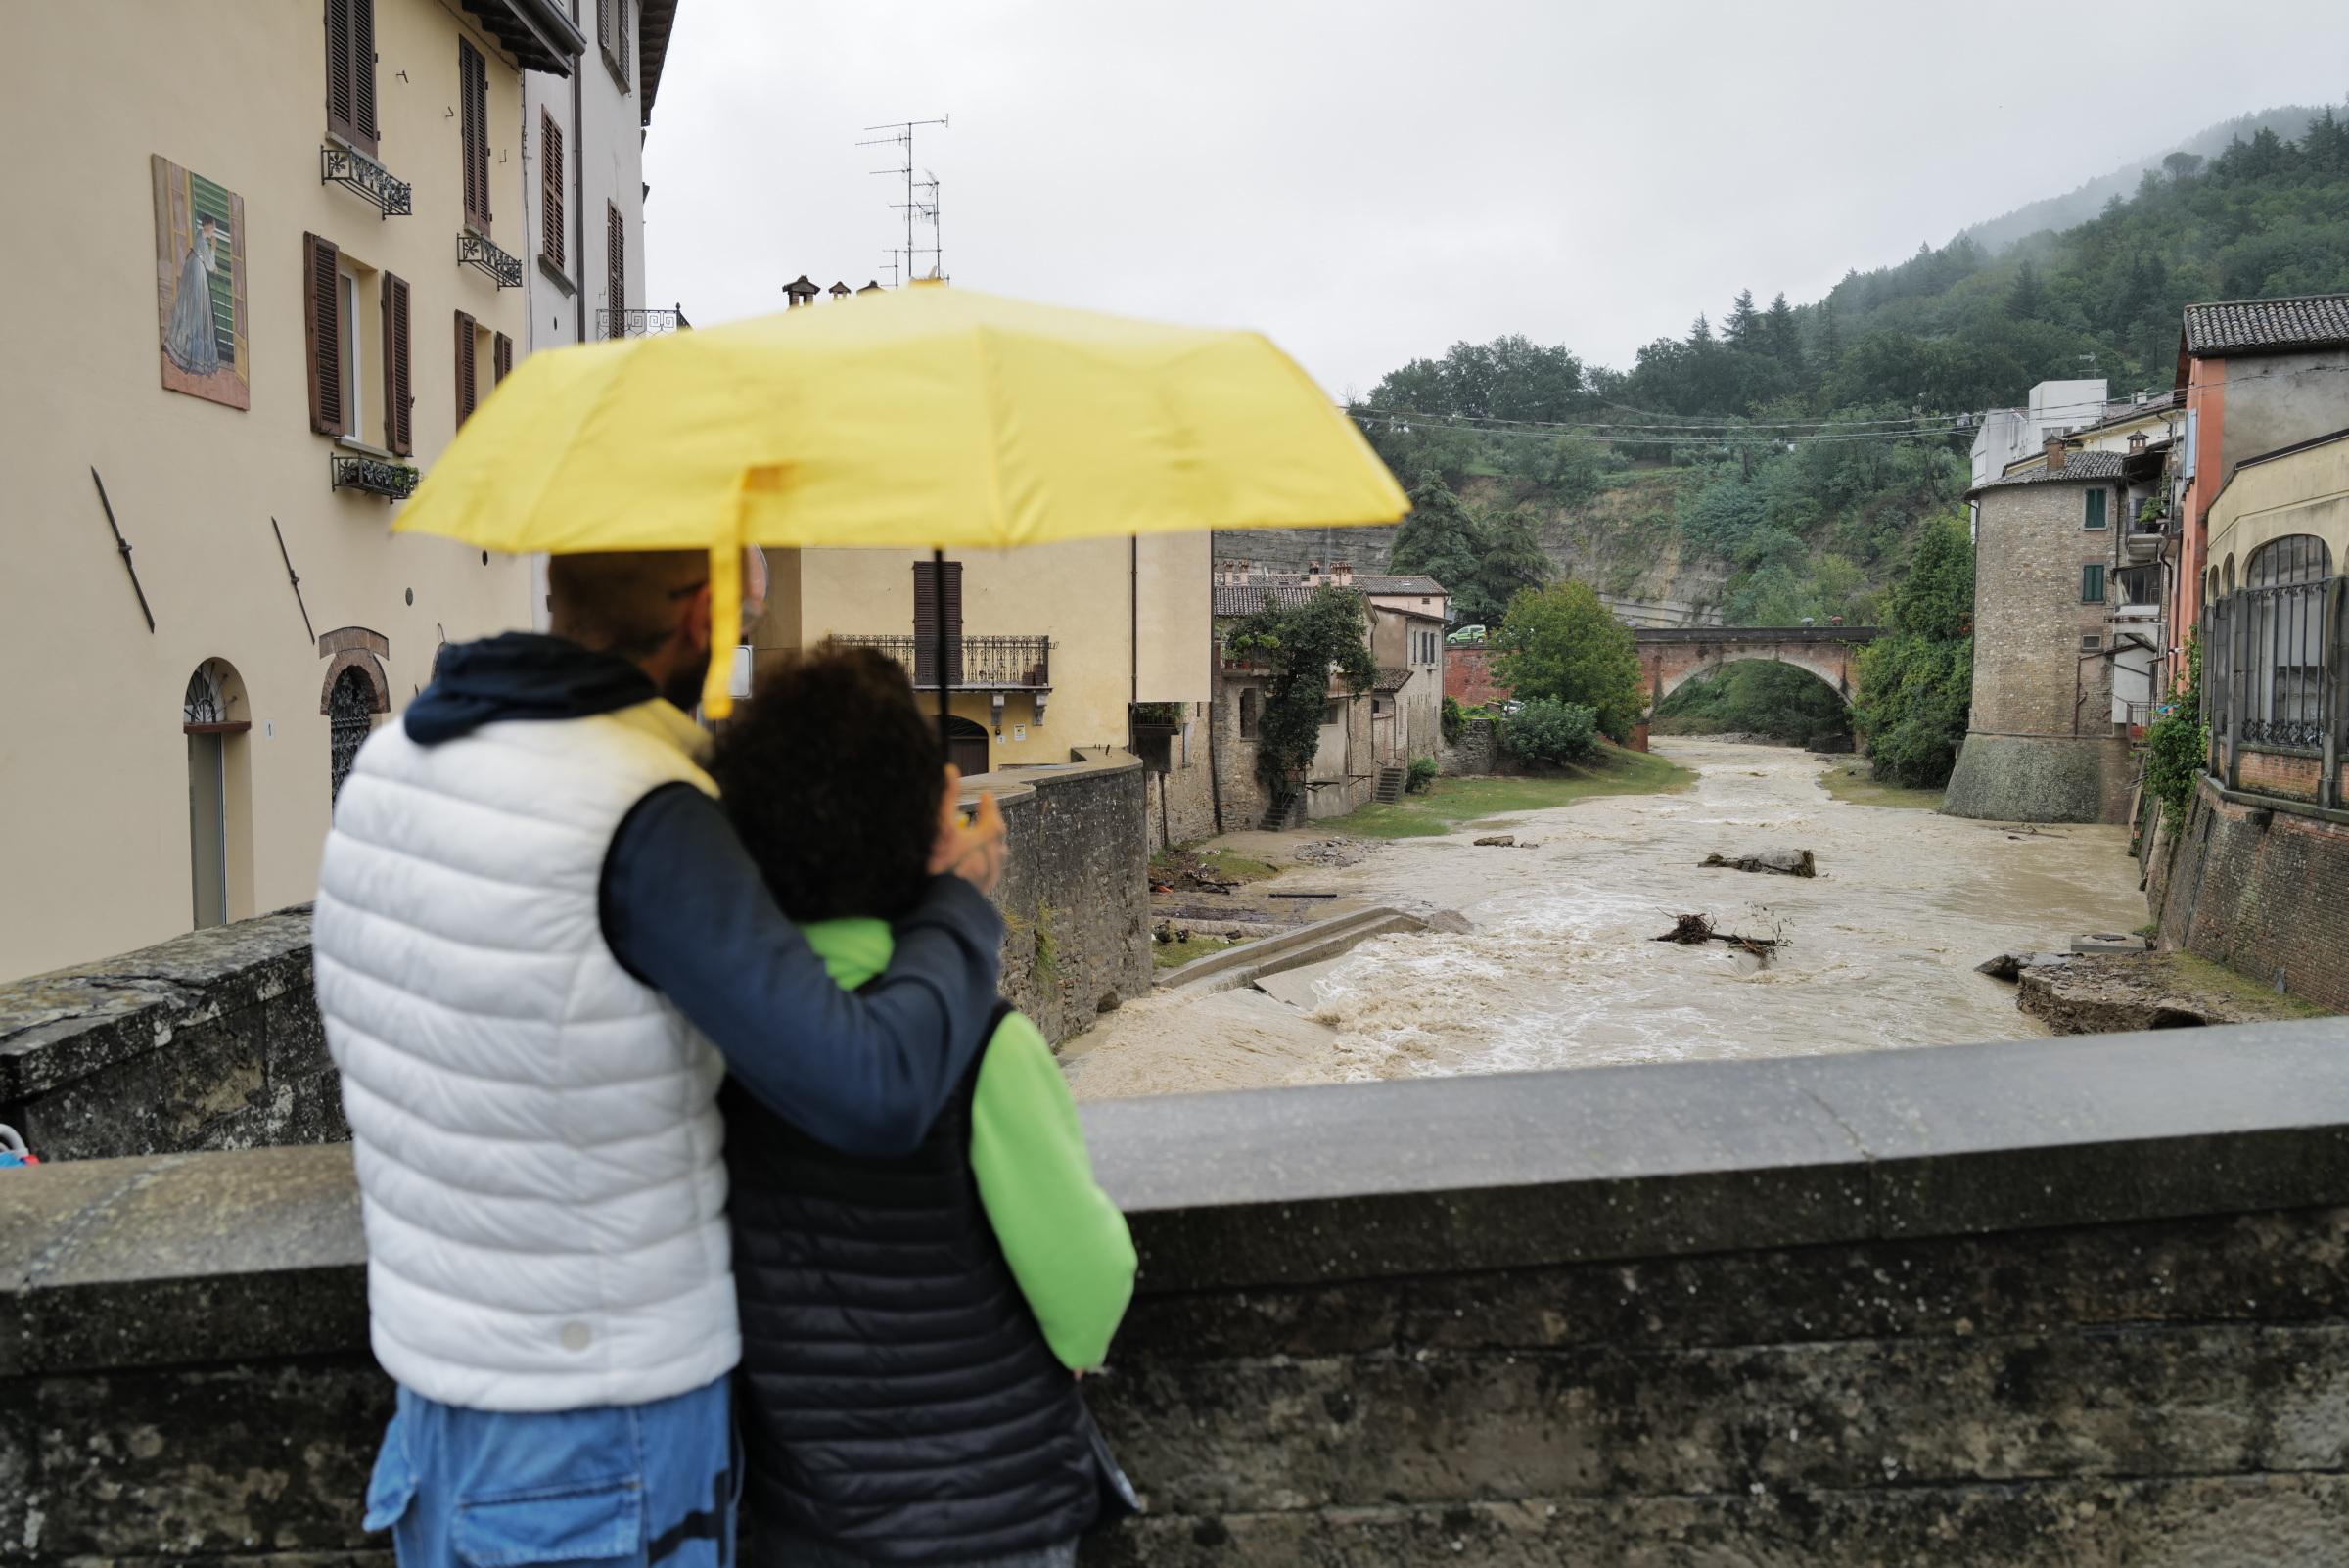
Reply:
x=213, y=717
x=349, y=718
x=967, y=746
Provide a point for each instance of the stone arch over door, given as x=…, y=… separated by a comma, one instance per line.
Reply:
x=354, y=692
x=967, y=746
x=216, y=717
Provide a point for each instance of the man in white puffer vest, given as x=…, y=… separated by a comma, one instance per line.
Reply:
x=538, y=949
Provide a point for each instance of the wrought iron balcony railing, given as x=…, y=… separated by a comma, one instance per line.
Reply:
x=376, y=476
x=347, y=167
x=474, y=250
x=975, y=664
x=640, y=323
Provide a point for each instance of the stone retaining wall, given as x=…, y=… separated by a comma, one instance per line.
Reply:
x=212, y=1041
x=2048, y=1302
x=2041, y=778
x=2260, y=885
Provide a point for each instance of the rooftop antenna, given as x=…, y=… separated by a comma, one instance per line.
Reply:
x=902, y=136
x=892, y=264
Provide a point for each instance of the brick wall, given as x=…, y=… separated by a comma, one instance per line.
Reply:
x=2264, y=890
x=2275, y=774
x=1468, y=678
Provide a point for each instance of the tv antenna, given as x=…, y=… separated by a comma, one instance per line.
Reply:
x=901, y=137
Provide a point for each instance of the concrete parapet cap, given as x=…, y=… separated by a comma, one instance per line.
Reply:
x=208, y=1257
x=61, y=1026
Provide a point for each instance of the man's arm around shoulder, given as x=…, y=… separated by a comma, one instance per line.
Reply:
x=686, y=911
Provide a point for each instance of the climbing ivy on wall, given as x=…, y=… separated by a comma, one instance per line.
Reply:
x=1308, y=645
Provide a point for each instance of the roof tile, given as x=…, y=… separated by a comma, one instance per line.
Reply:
x=2266, y=326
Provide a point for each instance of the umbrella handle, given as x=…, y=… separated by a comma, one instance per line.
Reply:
x=945, y=722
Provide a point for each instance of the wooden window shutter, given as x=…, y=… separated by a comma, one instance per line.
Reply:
x=603, y=24
x=501, y=359
x=341, y=86
x=468, y=384
x=926, y=613
x=623, y=58
x=550, y=190
x=616, y=266
x=322, y=332
x=399, y=400
x=362, y=72
x=473, y=131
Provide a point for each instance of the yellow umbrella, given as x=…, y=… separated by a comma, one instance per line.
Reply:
x=929, y=417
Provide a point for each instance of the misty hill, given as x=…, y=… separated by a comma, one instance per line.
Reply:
x=2290, y=123
x=1777, y=464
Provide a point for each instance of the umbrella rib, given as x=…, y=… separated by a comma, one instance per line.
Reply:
x=995, y=460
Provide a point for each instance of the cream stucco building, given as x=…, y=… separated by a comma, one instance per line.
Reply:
x=1052, y=648
x=266, y=254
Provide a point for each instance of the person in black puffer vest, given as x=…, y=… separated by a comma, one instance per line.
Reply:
x=913, y=1329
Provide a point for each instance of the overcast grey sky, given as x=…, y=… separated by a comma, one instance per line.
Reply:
x=1372, y=181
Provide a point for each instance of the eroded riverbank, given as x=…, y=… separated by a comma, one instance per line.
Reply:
x=1559, y=972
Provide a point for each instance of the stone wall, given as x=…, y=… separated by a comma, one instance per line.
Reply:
x=1075, y=890
x=2041, y=778
x=2021, y=1306
x=212, y=1041
x=1477, y=750
x=2261, y=885
x=209, y=1040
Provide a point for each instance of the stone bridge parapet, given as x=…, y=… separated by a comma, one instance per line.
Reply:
x=1943, y=1305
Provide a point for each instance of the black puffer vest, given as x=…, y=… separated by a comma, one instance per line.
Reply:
x=898, y=1398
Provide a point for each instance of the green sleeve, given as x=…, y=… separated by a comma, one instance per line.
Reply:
x=1066, y=1242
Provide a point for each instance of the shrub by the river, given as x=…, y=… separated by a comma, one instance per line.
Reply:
x=1422, y=774
x=2176, y=743
x=1548, y=731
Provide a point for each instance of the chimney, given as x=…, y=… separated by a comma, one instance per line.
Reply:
x=2054, y=454
x=1342, y=573
x=2137, y=442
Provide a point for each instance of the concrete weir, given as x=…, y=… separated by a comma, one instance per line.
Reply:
x=2041, y=1303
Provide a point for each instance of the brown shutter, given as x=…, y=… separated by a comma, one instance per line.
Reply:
x=603, y=25
x=622, y=58
x=322, y=332
x=342, y=88
x=616, y=267
x=399, y=390
x=550, y=190
x=362, y=74
x=468, y=387
x=473, y=131
x=924, y=621
x=501, y=359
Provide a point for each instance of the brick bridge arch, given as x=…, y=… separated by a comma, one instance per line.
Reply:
x=1672, y=656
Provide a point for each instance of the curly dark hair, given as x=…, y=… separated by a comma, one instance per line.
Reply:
x=833, y=775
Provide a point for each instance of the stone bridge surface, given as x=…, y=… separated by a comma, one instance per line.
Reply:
x=1671, y=656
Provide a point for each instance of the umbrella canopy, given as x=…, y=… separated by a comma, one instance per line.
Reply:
x=930, y=417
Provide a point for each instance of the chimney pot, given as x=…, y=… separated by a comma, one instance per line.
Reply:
x=2055, y=449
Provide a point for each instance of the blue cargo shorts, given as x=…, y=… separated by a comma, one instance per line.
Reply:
x=613, y=1484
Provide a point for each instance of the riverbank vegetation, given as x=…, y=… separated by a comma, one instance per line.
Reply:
x=1855, y=783
x=1306, y=648
x=1917, y=679
x=1452, y=803
x=1561, y=643
x=1758, y=697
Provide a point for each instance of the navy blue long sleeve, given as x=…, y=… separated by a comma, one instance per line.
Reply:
x=867, y=1071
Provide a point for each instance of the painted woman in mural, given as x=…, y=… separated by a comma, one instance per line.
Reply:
x=189, y=338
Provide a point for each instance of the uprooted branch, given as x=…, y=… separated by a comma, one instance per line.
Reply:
x=1694, y=930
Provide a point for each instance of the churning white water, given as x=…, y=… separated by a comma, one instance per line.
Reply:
x=1560, y=971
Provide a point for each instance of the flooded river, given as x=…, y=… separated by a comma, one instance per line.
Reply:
x=1560, y=969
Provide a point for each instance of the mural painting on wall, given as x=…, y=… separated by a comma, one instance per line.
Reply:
x=200, y=286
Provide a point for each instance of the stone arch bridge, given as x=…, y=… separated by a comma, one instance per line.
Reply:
x=1671, y=656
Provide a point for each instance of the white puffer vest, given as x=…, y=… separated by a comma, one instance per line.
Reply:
x=536, y=1133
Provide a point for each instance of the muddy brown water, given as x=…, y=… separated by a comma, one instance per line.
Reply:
x=1560, y=970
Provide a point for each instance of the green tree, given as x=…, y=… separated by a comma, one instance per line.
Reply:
x=1443, y=539
x=2182, y=165
x=1743, y=328
x=1917, y=680
x=1305, y=645
x=1513, y=561
x=2026, y=301
x=1560, y=642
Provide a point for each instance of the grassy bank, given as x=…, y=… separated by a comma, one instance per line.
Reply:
x=2187, y=972
x=1849, y=781
x=1451, y=802
x=1174, y=954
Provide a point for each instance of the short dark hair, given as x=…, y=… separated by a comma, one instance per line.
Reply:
x=622, y=600
x=833, y=776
